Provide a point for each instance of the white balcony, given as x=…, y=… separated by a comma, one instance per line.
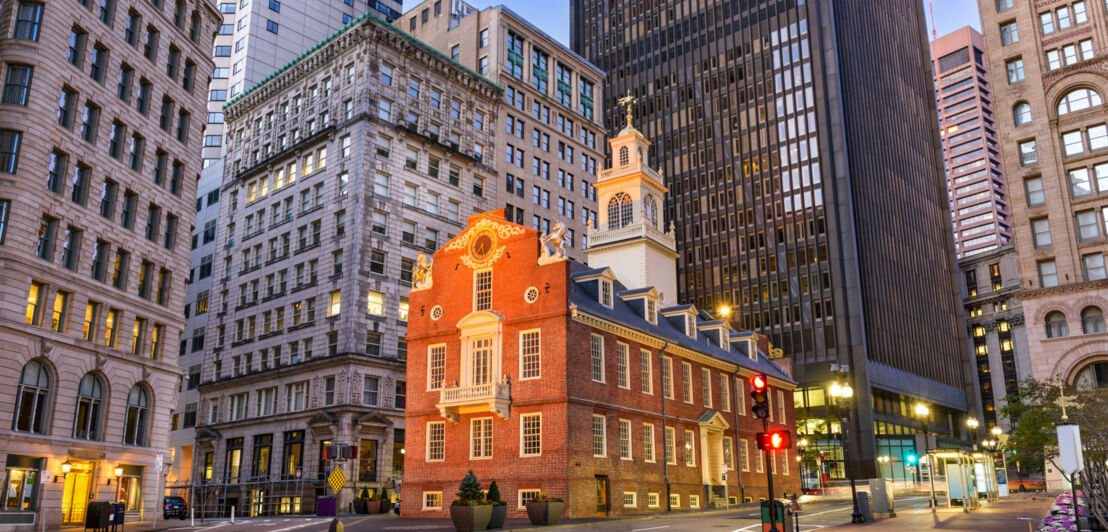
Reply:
x=636, y=230
x=493, y=397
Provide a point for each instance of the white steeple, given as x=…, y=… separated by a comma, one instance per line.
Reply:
x=632, y=238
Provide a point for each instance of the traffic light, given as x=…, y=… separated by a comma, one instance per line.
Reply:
x=911, y=458
x=330, y=452
x=759, y=392
x=349, y=451
x=774, y=440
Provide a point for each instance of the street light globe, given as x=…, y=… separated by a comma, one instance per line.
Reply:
x=848, y=391
x=997, y=431
x=972, y=423
x=725, y=311
x=803, y=442
x=836, y=390
x=922, y=410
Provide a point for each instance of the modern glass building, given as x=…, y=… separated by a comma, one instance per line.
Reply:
x=808, y=193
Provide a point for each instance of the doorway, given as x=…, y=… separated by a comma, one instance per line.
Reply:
x=601, y=495
x=75, y=495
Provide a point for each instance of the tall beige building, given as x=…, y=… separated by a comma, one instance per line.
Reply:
x=549, y=142
x=332, y=189
x=1049, y=92
x=100, y=140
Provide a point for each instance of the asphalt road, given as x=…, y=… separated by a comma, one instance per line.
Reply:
x=813, y=517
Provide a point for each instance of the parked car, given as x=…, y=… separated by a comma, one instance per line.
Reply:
x=175, y=507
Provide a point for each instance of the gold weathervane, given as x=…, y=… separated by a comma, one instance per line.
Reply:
x=626, y=101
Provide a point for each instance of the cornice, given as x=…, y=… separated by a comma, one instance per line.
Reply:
x=1071, y=288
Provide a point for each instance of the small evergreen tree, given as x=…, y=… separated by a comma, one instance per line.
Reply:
x=470, y=488
x=364, y=494
x=494, y=493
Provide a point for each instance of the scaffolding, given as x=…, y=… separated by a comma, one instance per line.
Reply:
x=257, y=496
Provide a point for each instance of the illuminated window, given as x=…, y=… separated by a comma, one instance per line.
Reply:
x=336, y=303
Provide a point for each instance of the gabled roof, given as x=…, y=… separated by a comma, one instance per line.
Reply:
x=623, y=314
x=638, y=292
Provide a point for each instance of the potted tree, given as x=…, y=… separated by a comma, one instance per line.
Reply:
x=470, y=511
x=499, y=507
x=386, y=502
x=360, y=503
x=545, y=510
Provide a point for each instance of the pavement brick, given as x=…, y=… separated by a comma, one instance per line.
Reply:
x=1002, y=516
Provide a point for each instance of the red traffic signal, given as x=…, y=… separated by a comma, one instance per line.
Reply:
x=758, y=383
x=774, y=440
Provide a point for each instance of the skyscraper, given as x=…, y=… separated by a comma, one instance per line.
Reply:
x=1054, y=143
x=806, y=184
x=329, y=201
x=549, y=137
x=253, y=41
x=100, y=136
x=968, y=128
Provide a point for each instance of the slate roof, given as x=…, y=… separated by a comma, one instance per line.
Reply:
x=587, y=301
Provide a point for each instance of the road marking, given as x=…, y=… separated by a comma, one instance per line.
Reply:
x=301, y=525
x=651, y=528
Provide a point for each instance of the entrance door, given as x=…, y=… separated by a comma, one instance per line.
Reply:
x=75, y=495
x=601, y=495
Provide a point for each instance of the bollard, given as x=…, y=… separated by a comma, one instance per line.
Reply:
x=335, y=526
x=192, y=517
x=232, y=515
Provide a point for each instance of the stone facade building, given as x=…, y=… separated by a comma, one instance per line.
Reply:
x=996, y=330
x=545, y=375
x=968, y=125
x=1054, y=142
x=546, y=149
x=331, y=191
x=254, y=40
x=100, y=136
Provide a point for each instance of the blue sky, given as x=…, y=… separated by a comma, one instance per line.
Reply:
x=553, y=15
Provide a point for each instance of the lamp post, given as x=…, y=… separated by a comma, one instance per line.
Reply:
x=842, y=396
x=802, y=446
x=924, y=414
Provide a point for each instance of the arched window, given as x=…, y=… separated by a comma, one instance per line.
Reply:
x=31, y=399
x=1093, y=376
x=1092, y=320
x=619, y=211
x=624, y=156
x=1056, y=325
x=650, y=211
x=134, y=430
x=90, y=394
x=1022, y=113
x=1078, y=100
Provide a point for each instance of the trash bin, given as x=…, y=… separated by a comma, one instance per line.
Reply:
x=325, y=506
x=96, y=516
x=882, y=492
x=782, y=521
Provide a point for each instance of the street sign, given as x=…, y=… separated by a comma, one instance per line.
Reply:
x=159, y=459
x=337, y=479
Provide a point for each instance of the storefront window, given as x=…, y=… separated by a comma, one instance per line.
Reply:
x=20, y=491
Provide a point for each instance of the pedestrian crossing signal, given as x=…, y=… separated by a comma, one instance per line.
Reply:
x=774, y=440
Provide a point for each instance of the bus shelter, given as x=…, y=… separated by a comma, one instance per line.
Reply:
x=955, y=472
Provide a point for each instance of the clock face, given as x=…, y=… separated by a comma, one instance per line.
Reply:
x=482, y=246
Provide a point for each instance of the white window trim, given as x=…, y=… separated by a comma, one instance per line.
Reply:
x=725, y=392
x=603, y=436
x=630, y=440
x=474, y=302
x=690, y=450
x=657, y=500
x=425, y=494
x=519, y=496
x=429, y=349
x=625, y=350
x=694, y=502
x=706, y=386
x=427, y=445
x=672, y=458
x=650, y=370
x=602, y=375
x=667, y=362
x=674, y=500
x=471, y=446
x=521, y=447
x=634, y=499
x=652, y=457
x=781, y=406
x=686, y=385
x=744, y=454
x=740, y=395
x=521, y=333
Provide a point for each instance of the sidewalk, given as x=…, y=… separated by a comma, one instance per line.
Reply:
x=392, y=522
x=1002, y=516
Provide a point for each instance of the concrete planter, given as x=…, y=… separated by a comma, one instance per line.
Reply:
x=499, y=514
x=545, y=513
x=470, y=518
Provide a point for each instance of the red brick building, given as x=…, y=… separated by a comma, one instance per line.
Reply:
x=547, y=375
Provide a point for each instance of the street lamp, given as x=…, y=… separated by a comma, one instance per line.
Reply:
x=973, y=424
x=802, y=446
x=924, y=414
x=841, y=394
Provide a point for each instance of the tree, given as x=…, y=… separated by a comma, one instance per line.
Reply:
x=494, y=493
x=470, y=488
x=1033, y=437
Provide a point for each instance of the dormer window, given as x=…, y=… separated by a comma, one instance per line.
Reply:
x=651, y=311
x=690, y=326
x=606, y=293
x=482, y=290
